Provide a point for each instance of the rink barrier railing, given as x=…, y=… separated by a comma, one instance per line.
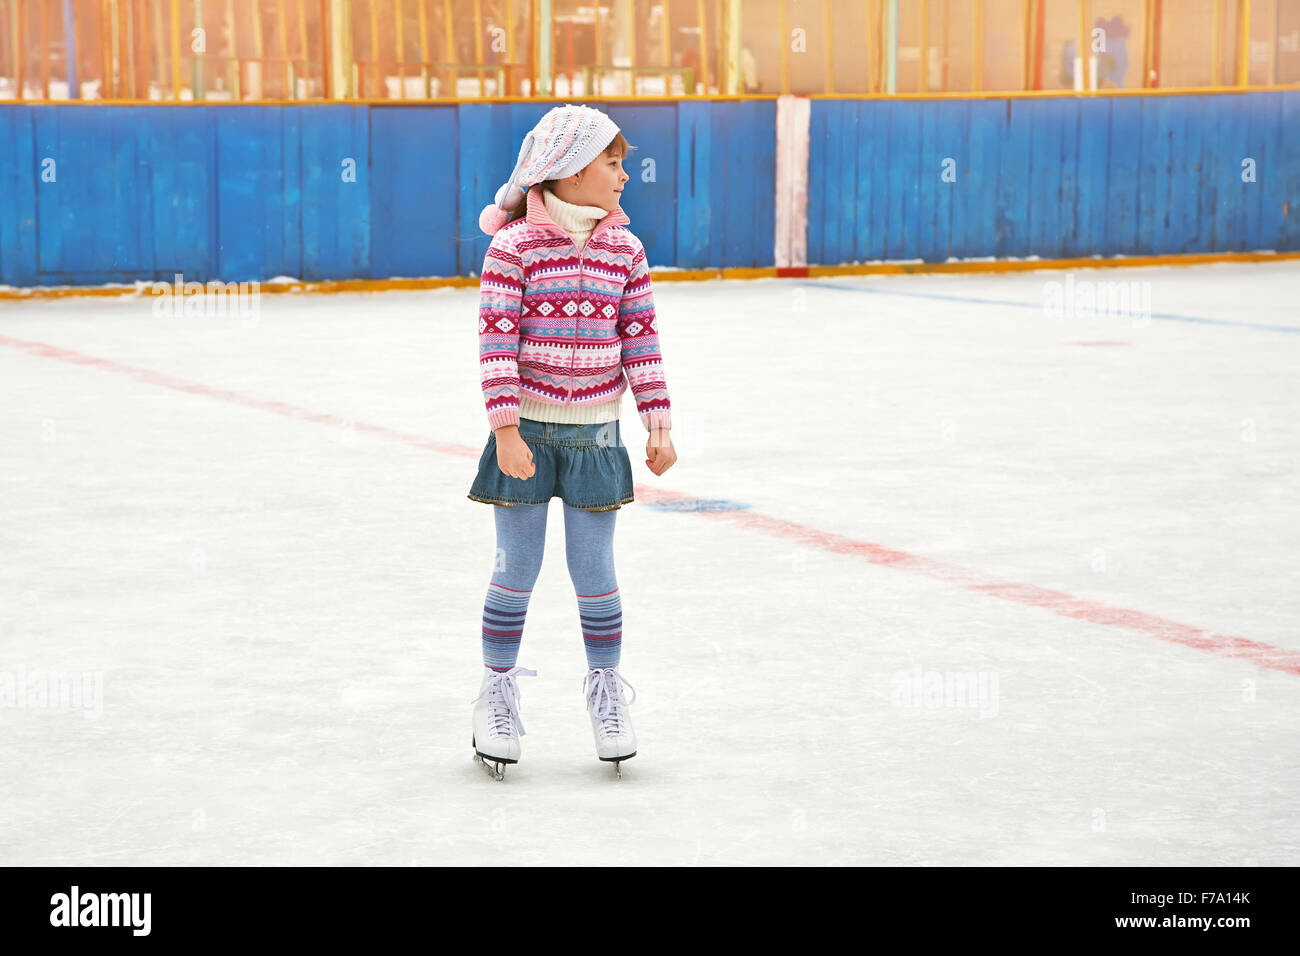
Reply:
x=548, y=101
x=330, y=191
x=143, y=289
x=1056, y=179
x=232, y=191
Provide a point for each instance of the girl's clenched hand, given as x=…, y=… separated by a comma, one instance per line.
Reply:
x=514, y=458
x=659, y=450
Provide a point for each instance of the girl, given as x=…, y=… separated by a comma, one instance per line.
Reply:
x=565, y=313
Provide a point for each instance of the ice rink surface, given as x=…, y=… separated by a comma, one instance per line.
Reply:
x=939, y=578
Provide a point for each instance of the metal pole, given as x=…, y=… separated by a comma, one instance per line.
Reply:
x=784, y=38
x=449, y=35
x=546, y=48
x=830, y=46
x=159, y=47
x=233, y=62
x=70, y=49
x=891, y=46
x=45, y=50
x=702, y=19
x=735, y=75
x=197, y=72
x=1243, y=52
x=925, y=46
x=1216, y=41
x=424, y=47
x=176, y=49
x=478, y=46
x=1081, y=76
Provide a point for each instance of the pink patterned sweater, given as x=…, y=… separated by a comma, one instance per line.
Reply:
x=567, y=330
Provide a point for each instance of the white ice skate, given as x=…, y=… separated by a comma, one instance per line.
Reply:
x=496, y=720
x=610, y=722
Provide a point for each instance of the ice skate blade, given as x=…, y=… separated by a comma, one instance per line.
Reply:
x=617, y=759
x=617, y=762
x=496, y=773
x=499, y=771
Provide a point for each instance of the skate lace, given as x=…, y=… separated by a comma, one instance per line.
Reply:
x=502, y=693
x=605, y=700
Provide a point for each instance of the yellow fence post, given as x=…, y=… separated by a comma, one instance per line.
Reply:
x=234, y=49
x=1243, y=52
x=830, y=46
x=702, y=17
x=925, y=47
x=1083, y=45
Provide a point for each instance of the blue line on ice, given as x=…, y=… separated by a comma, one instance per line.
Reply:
x=1038, y=306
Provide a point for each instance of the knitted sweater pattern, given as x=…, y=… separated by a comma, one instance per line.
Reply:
x=568, y=329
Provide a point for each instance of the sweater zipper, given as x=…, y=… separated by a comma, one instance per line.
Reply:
x=577, y=316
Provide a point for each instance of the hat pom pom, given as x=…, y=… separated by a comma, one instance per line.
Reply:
x=492, y=218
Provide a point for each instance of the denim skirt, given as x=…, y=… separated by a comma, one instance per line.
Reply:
x=587, y=466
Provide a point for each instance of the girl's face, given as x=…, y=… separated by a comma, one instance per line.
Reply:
x=599, y=184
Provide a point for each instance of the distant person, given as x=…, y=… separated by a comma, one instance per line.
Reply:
x=1112, y=59
x=1113, y=64
x=691, y=61
x=749, y=71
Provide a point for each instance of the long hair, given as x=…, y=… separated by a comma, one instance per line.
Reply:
x=618, y=146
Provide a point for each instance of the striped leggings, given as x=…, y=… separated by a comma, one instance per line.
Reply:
x=589, y=549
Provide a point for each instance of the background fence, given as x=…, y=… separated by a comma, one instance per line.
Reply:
x=96, y=194
x=455, y=49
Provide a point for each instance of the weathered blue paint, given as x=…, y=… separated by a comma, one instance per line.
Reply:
x=1056, y=177
x=368, y=191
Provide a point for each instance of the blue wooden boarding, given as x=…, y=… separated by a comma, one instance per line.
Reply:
x=252, y=192
x=412, y=192
x=1053, y=177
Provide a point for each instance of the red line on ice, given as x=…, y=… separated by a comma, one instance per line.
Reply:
x=150, y=377
x=1057, y=602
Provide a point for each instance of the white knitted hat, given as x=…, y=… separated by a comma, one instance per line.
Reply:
x=563, y=142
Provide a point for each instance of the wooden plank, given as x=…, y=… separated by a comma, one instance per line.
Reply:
x=1209, y=176
x=694, y=154
x=1169, y=136
x=869, y=214
x=1288, y=159
x=1014, y=182
x=1263, y=212
x=1041, y=198
x=250, y=195
x=1230, y=221
x=1123, y=155
x=954, y=138
x=285, y=257
x=1153, y=184
x=902, y=203
x=975, y=217
x=335, y=211
x=844, y=180
x=740, y=220
x=934, y=195
x=818, y=122
x=410, y=213
x=1185, y=148
x=1093, y=179
x=19, y=186
x=1067, y=225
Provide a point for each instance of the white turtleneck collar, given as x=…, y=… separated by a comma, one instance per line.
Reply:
x=577, y=221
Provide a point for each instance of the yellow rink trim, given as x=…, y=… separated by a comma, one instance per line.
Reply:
x=693, y=275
